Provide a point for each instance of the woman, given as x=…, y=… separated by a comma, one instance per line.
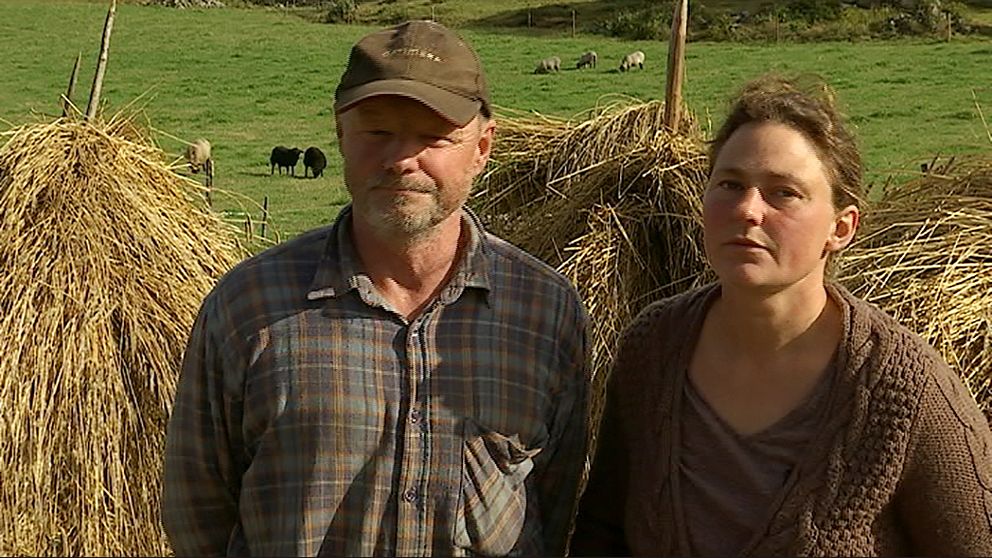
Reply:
x=773, y=413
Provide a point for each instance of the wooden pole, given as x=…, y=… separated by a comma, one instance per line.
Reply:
x=432, y=13
x=67, y=98
x=208, y=169
x=573, y=24
x=265, y=214
x=530, y=17
x=676, y=66
x=101, y=65
x=948, y=14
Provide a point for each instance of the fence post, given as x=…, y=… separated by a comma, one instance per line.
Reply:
x=265, y=214
x=208, y=168
x=573, y=24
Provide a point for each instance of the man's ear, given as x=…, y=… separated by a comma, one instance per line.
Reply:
x=846, y=223
x=485, y=145
x=337, y=129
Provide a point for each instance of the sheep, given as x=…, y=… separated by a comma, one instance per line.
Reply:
x=198, y=155
x=313, y=158
x=588, y=59
x=284, y=157
x=635, y=58
x=548, y=65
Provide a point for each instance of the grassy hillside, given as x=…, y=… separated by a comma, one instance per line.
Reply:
x=252, y=79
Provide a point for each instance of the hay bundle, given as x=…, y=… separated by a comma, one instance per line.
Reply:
x=106, y=254
x=925, y=257
x=613, y=202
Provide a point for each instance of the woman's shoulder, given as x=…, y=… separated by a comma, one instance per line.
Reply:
x=889, y=345
x=679, y=310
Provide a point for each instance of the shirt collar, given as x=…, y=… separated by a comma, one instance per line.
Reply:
x=340, y=269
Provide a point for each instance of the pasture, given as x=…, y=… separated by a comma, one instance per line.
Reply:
x=251, y=79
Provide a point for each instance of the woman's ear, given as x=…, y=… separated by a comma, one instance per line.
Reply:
x=845, y=225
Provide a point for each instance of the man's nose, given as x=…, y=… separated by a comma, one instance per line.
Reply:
x=401, y=155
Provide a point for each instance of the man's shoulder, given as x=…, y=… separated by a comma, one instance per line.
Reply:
x=513, y=260
x=289, y=264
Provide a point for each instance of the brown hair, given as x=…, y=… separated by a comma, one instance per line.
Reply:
x=808, y=105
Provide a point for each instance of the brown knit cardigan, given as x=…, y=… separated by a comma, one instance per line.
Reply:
x=901, y=463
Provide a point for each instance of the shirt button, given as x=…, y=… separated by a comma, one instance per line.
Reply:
x=410, y=495
x=414, y=416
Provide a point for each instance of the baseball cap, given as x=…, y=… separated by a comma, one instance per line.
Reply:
x=422, y=60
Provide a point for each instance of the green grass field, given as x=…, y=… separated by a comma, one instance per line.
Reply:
x=252, y=79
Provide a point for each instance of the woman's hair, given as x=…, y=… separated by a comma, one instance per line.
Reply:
x=806, y=104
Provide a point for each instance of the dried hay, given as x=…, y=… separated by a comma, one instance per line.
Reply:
x=925, y=257
x=613, y=202
x=107, y=254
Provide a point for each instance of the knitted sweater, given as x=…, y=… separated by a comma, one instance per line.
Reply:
x=901, y=463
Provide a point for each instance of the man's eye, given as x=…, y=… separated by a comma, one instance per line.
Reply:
x=437, y=140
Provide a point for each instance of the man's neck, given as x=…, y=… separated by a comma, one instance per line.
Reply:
x=410, y=272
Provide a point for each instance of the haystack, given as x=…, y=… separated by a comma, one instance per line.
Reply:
x=925, y=256
x=613, y=201
x=106, y=255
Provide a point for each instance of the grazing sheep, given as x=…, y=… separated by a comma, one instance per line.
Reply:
x=548, y=65
x=313, y=158
x=635, y=58
x=198, y=155
x=284, y=157
x=588, y=59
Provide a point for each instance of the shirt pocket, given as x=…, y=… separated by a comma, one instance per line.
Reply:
x=492, y=501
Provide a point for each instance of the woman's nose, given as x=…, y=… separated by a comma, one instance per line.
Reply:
x=750, y=206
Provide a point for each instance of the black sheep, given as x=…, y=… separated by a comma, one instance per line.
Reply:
x=313, y=158
x=284, y=157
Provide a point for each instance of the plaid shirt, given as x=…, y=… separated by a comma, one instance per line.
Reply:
x=312, y=419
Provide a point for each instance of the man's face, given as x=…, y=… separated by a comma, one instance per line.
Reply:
x=407, y=168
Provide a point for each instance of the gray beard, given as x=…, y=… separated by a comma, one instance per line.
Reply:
x=394, y=221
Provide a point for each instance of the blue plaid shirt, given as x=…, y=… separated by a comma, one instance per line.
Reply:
x=312, y=419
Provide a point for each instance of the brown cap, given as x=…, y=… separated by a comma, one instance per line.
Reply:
x=421, y=60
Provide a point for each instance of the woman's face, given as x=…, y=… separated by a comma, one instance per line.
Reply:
x=768, y=214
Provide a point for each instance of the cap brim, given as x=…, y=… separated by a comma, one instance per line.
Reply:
x=452, y=107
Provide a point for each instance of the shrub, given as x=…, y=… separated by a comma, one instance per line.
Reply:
x=342, y=11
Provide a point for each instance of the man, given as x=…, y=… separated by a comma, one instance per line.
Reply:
x=398, y=383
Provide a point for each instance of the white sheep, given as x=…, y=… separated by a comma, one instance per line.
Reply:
x=588, y=59
x=198, y=155
x=635, y=58
x=548, y=65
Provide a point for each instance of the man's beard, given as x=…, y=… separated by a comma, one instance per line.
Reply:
x=396, y=214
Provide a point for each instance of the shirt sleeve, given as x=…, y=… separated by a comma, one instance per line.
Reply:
x=558, y=469
x=945, y=498
x=200, y=486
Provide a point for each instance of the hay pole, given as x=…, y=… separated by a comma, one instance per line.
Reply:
x=67, y=98
x=101, y=64
x=676, y=66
